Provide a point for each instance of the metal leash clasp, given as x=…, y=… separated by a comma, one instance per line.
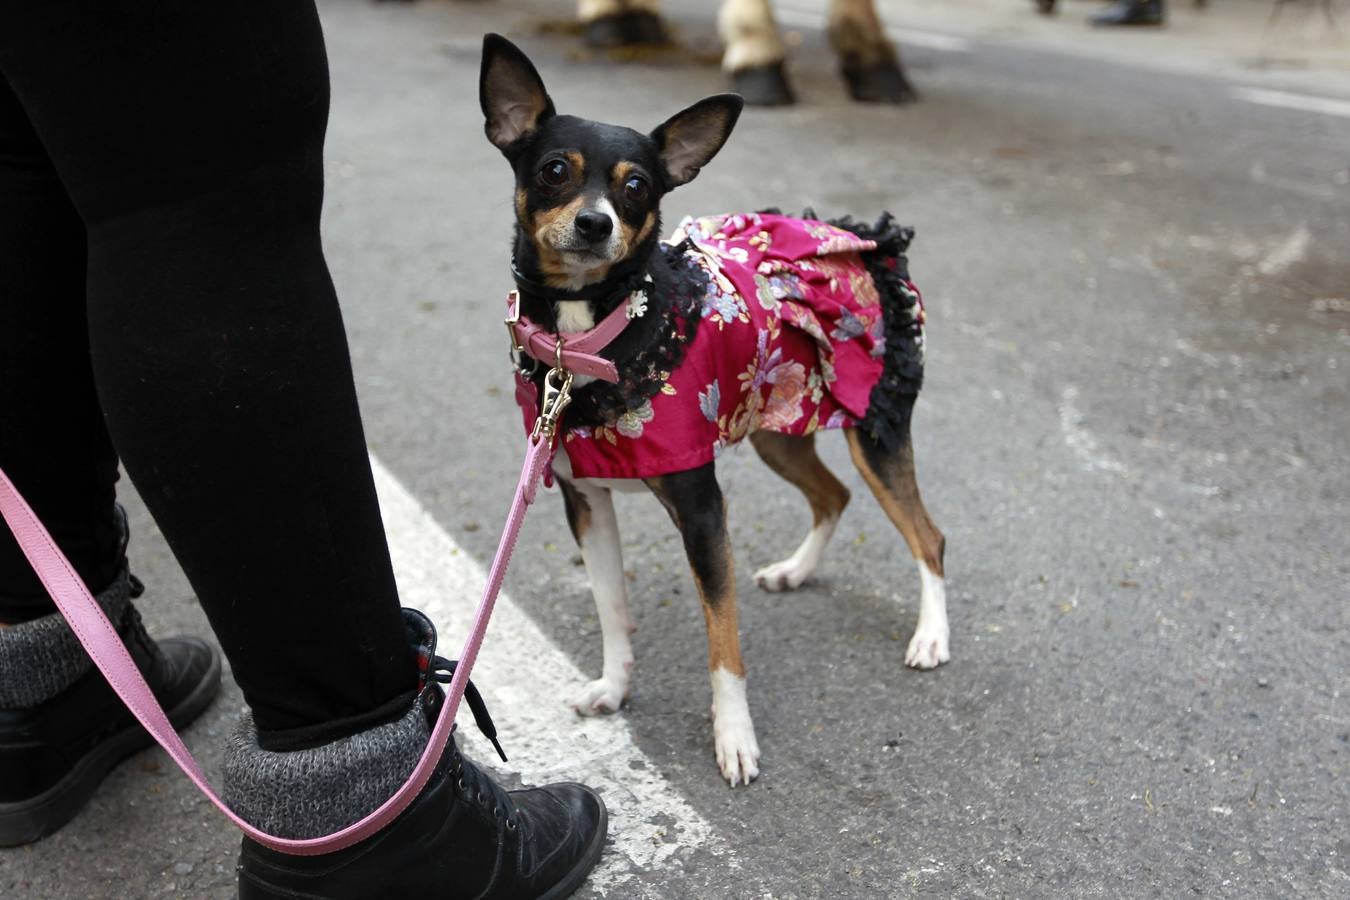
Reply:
x=557, y=394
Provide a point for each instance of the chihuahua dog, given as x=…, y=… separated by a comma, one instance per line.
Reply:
x=756, y=326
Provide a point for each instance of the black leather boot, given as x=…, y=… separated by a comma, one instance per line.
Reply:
x=62, y=729
x=463, y=837
x=1130, y=12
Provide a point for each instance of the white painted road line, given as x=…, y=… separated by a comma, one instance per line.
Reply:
x=524, y=678
x=1288, y=252
x=1305, y=188
x=799, y=18
x=1305, y=102
x=1081, y=441
x=802, y=18
x=930, y=39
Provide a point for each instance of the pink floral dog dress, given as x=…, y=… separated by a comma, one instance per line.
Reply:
x=792, y=339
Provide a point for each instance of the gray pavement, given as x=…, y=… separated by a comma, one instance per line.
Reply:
x=1132, y=433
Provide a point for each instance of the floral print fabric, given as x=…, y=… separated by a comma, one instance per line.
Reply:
x=790, y=341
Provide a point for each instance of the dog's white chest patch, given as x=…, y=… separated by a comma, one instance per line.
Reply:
x=574, y=316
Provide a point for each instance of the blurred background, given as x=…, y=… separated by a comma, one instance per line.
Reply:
x=1134, y=244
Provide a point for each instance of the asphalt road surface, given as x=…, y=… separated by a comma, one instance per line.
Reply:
x=1133, y=433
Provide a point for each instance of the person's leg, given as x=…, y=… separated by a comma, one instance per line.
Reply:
x=61, y=727
x=217, y=344
x=52, y=439
x=189, y=137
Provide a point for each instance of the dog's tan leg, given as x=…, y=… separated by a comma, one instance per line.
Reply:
x=891, y=478
x=590, y=512
x=794, y=458
x=695, y=504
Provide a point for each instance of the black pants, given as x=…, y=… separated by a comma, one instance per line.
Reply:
x=164, y=299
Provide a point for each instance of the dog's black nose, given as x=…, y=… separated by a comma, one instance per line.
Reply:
x=594, y=226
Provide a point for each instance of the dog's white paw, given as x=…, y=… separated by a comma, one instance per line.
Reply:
x=733, y=729
x=599, y=697
x=791, y=572
x=783, y=576
x=928, y=648
x=737, y=750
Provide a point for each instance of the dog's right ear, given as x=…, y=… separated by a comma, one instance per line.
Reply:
x=511, y=93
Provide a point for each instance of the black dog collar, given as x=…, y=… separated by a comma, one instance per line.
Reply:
x=598, y=291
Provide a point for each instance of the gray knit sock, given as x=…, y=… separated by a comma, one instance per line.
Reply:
x=310, y=793
x=41, y=658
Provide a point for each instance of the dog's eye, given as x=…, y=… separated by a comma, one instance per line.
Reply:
x=554, y=173
x=635, y=189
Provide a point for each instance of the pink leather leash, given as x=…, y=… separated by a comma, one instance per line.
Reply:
x=100, y=639
x=578, y=350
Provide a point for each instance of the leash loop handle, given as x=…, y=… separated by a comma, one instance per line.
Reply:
x=99, y=637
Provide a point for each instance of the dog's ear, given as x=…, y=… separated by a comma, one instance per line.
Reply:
x=511, y=93
x=689, y=139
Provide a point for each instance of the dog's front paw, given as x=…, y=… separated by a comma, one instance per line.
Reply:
x=604, y=695
x=928, y=648
x=737, y=750
x=783, y=576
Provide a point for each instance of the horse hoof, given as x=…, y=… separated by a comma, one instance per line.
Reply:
x=763, y=85
x=626, y=29
x=879, y=83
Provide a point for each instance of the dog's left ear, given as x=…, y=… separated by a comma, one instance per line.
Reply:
x=511, y=93
x=689, y=139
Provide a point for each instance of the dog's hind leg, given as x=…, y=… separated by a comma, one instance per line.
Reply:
x=890, y=475
x=590, y=513
x=794, y=458
x=695, y=504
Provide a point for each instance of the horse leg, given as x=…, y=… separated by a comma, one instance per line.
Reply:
x=754, y=53
x=621, y=23
x=867, y=60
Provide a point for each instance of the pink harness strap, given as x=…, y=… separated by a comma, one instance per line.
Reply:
x=99, y=637
x=579, y=350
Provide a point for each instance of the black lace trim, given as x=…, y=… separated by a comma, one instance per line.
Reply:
x=892, y=399
x=683, y=286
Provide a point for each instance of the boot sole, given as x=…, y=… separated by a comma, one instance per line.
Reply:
x=25, y=821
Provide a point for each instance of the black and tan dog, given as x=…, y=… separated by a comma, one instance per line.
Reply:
x=587, y=242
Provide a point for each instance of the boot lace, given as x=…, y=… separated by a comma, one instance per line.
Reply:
x=473, y=783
